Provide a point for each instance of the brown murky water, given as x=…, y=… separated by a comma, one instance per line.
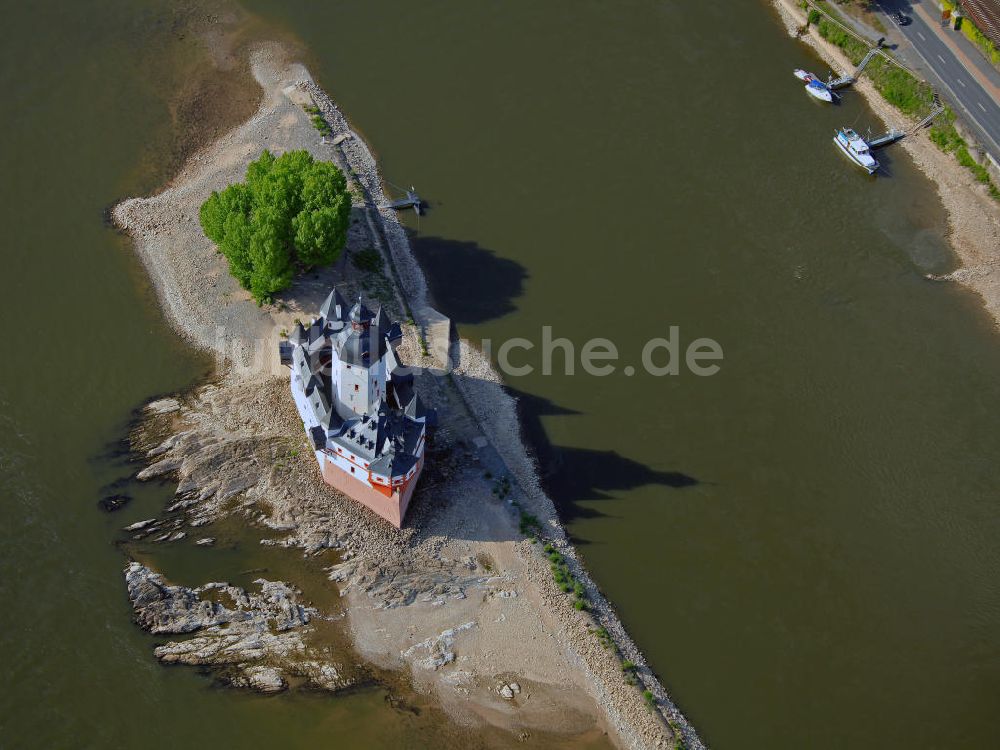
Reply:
x=802, y=544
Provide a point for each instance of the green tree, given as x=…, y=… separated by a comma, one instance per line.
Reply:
x=291, y=213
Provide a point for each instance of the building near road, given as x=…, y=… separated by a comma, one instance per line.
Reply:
x=985, y=14
x=367, y=426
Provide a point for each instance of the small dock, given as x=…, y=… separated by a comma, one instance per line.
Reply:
x=412, y=200
x=886, y=139
x=894, y=135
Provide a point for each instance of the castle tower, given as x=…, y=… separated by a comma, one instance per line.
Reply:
x=360, y=346
x=359, y=405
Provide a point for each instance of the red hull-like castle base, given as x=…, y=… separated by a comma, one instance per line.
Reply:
x=391, y=507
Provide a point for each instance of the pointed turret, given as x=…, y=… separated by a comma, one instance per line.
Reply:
x=415, y=409
x=298, y=334
x=360, y=315
x=335, y=307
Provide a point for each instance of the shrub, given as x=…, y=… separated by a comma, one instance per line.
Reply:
x=603, y=636
x=977, y=169
x=291, y=212
x=321, y=125
x=529, y=523
x=369, y=260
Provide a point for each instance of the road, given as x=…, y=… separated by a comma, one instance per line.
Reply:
x=970, y=83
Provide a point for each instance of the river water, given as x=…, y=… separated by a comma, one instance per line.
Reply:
x=801, y=544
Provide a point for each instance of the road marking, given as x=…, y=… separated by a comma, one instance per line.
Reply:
x=942, y=59
x=981, y=106
x=961, y=82
x=922, y=37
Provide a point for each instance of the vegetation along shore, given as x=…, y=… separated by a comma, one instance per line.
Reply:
x=968, y=192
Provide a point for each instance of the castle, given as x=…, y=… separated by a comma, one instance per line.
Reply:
x=367, y=425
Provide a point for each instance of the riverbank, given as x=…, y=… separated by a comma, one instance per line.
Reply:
x=973, y=215
x=460, y=599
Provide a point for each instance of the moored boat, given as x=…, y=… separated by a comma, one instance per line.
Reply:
x=856, y=149
x=814, y=86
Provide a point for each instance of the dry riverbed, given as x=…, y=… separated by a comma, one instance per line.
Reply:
x=461, y=602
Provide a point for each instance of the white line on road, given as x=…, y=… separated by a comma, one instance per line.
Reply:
x=941, y=59
x=961, y=82
x=981, y=106
x=922, y=37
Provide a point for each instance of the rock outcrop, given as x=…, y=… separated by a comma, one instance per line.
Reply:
x=257, y=638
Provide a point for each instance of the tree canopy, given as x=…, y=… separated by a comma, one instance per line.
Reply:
x=291, y=213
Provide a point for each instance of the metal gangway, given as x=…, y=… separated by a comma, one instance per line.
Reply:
x=897, y=135
x=938, y=109
x=843, y=81
x=885, y=139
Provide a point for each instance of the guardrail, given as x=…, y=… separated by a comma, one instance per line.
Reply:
x=864, y=40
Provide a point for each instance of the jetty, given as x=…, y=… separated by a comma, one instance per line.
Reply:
x=412, y=200
x=894, y=134
x=885, y=139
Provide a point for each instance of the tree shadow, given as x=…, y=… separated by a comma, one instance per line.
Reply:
x=571, y=476
x=468, y=283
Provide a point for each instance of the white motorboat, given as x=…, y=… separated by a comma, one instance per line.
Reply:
x=814, y=86
x=856, y=148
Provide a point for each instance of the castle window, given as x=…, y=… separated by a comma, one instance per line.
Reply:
x=356, y=386
x=352, y=469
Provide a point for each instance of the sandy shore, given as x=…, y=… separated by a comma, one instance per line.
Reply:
x=973, y=216
x=459, y=600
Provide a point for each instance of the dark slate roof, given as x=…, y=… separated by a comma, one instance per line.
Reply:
x=318, y=435
x=360, y=313
x=415, y=409
x=394, y=333
x=393, y=464
x=298, y=334
x=402, y=389
x=387, y=439
x=354, y=348
x=332, y=421
x=315, y=332
x=313, y=383
x=334, y=308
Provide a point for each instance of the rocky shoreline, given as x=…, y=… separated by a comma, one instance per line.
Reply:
x=973, y=216
x=461, y=599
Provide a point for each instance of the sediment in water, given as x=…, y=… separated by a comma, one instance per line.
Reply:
x=973, y=215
